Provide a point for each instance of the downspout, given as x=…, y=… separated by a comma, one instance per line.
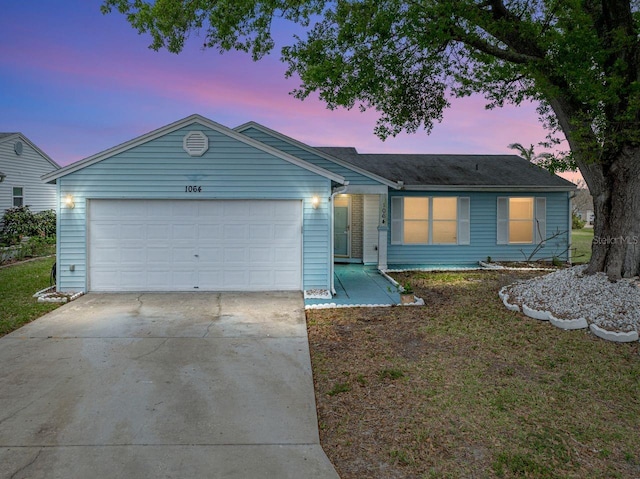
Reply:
x=336, y=191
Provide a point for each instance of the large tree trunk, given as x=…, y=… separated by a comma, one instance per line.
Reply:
x=615, y=186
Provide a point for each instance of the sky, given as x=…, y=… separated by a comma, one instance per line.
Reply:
x=77, y=82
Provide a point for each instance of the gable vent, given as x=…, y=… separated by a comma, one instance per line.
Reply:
x=195, y=143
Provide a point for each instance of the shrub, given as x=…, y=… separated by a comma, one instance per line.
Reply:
x=576, y=222
x=21, y=221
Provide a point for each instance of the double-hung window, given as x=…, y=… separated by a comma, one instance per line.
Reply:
x=425, y=220
x=18, y=196
x=521, y=220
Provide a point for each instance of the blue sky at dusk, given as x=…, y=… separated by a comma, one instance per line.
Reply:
x=77, y=82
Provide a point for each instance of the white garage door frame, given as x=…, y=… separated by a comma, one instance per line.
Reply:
x=214, y=245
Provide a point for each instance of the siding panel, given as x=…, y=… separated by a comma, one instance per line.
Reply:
x=25, y=171
x=483, y=233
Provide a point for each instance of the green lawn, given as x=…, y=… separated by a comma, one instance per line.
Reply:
x=18, y=283
x=581, y=242
x=464, y=388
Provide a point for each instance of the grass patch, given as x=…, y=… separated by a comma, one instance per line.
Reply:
x=18, y=283
x=484, y=392
x=581, y=244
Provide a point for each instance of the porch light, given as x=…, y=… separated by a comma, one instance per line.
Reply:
x=315, y=202
x=68, y=202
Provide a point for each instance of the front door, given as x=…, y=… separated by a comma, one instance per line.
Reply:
x=341, y=227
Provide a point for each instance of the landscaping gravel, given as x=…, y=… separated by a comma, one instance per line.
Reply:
x=571, y=294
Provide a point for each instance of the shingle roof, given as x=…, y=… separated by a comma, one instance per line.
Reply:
x=452, y=170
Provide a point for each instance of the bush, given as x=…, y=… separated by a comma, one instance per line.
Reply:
x=576, y=222
x=21, y=221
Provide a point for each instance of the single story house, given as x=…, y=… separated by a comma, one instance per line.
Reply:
x=197, y=206
x=22, y=164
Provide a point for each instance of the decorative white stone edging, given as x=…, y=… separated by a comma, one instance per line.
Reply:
x=44, y=291
x=389, y=278
x=492, y=266
x=55, y=297
x=569, y=324
x=505, y=300
x=334, y=306
x=536, y=314
x=317, y=294
x=417, y=302
x=618, y=337
x=579, y=323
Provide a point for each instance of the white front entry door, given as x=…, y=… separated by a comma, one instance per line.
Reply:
x=195, y=245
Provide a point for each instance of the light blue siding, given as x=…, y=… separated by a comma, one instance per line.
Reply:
x=160, y=169
x=484, y=233
x=353, y=177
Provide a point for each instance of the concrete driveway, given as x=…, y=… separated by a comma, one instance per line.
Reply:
x=180, y=385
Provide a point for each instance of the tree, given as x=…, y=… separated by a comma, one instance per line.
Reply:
x=579, y=60
x=545, y=160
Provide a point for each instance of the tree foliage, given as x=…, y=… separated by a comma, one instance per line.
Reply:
x=578, y=60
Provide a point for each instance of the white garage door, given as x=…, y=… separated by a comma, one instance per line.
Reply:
x=195, y=245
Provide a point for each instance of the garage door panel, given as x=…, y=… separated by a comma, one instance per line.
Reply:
x=157, y=231
x=261, y=255
x=163, y=245
x=210, y=232
x=235, y=232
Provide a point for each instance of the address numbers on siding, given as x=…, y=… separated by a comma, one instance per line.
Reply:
x=193, y=189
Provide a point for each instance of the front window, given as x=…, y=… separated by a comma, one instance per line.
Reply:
x=423, y=220
x=416, y=220
x=445, y=220
x=18, y=196
x=521, y=220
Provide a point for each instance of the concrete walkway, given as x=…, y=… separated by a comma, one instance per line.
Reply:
x=192, y=385
x=358, y=285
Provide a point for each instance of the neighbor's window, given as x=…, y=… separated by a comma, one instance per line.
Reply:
x=429, y=220
x=18, y=196
x=521, y=220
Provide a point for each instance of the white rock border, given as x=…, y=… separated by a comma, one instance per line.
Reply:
x=50, y=295
x=569, y=324
x=504, y=296
x=579, y=323
x=317, y=294
x=337, y=306
x=535, y=313
x=618, y=337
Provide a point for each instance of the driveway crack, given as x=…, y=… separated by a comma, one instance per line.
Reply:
x=217, y=315
x=153, y=350
x=27, y=465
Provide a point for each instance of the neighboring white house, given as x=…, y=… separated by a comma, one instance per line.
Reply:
x=21, y=165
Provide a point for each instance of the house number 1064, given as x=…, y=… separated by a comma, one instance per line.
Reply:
x=193, y=189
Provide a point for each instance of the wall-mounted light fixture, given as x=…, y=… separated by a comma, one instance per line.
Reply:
x=315, y=202
x=68, y=202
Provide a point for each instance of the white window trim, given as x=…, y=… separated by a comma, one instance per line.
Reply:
x=463, y=221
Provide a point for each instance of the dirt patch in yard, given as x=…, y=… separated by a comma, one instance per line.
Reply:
x=463, y=388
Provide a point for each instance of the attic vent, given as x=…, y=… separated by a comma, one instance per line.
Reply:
x=195, y=143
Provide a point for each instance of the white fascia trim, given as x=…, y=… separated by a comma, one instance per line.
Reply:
x=368, y=189
x=488, y=188
x=311, y=149
x=181, y=124
x=26, y=140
